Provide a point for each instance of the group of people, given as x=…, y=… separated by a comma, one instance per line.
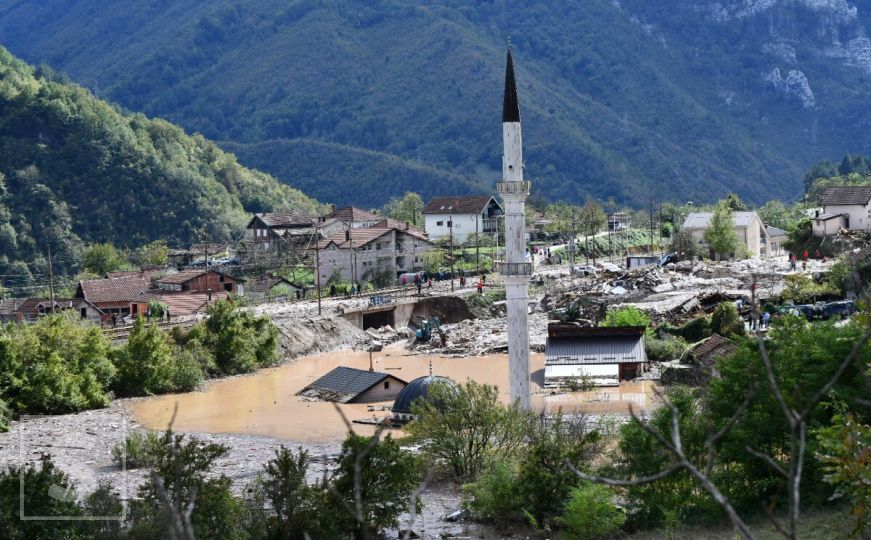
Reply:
x=793, y=260
x=758, y=322
x=347, y=291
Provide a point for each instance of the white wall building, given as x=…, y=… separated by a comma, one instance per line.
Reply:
x=361, y=254
x=461, y=216
x=852, y=203
x=748, y=227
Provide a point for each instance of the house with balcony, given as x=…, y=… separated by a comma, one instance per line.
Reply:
x=461, y=217
x=373, y=253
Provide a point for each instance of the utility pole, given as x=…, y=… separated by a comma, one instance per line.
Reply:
x=50, y=279
x=477, y=247
x=318, y=272
x=651, y=226
x=572, y=247
x=451, y=223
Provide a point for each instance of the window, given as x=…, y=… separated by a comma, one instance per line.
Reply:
x=386, y=385
x=440, y=223
x=450, y=223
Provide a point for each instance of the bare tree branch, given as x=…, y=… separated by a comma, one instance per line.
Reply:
x=624, y=483
x=770, y=461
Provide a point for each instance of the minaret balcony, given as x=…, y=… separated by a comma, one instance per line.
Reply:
x=513, y=188
x=514, y=269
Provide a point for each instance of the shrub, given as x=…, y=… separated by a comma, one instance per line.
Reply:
x=726, y=321
x=5, y=413
x=627, y=316
x=139, y=449
x=239, y=341
x=37, y=483
x=464, y=427
x=590, y=513
x=57, y=365
x=667, y=348
x=387, y=477
x=494, y=496
x=145, y=363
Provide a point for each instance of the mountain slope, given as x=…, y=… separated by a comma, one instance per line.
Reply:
x=627, y=98
x=74, y=170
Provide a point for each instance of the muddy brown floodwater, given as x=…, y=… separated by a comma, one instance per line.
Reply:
x=265, y=403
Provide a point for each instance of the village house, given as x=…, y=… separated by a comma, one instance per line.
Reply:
x=201, y=281
x=113, y=296
x=348, y=217
x=277, y=230
x=274, y=287
x=461, y=217
x=618, y=221
x=776, y=238
x=32, y=309
x=351, y=385
x=367, y=254
x=844, y=207
x=601, y=356
x=177, y=304
x=748, y=227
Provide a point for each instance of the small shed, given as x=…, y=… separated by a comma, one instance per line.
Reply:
x=274, y=287
x=351, y=385
x=604, y=356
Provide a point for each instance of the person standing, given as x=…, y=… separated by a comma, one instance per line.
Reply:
x=805, y=256
x=766, y=319
x=480, y=286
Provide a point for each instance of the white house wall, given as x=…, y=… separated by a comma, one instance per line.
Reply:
x=860, y=216
x=464, y=226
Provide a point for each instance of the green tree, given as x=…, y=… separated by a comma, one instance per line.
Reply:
x=47, y=491
x=181, y=481
x=408, y=208
x=685, y=244
x=433, y=260
x=720, y=234
x=102, y=259
x=57, y=365
x=145, y=363
x=591, y=220
x=776, y=214
x=300, y=510
x=590, y=513
x=153, y=254
x=734, y=202
x=845, y=452
x=239, y=341
x=373, y=482
x=464, y=427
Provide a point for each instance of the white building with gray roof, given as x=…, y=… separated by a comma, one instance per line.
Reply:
x=748, y=227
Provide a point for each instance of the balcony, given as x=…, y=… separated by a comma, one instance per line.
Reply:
x=514, y=269
x=513, y=188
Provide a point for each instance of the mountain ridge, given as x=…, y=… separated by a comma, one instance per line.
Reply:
x=630, y=99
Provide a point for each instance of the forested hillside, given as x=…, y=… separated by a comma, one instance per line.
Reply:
x=633, y=99
x=73, y=170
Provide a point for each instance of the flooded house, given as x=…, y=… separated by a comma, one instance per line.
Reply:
x=599, y=356
x=351, y=385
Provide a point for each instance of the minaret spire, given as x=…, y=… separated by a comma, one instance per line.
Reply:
x=515, y=269
x=510, y=106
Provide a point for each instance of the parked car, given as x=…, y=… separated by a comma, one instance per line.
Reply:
x=842, y=308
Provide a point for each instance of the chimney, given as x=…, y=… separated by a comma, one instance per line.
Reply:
x=407, y=225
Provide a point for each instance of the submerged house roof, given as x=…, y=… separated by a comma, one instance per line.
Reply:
x=572, y=345
x=345, y=384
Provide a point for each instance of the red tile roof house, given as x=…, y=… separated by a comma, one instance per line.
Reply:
x=201, y=281
x=178, y=304
x=31, y=309
x=112, y=296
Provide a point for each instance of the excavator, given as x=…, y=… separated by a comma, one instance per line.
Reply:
x=426, y=327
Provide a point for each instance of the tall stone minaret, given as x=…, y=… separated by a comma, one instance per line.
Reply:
x=515, y=270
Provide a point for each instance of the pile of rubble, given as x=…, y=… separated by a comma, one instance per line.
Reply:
x=476, y=337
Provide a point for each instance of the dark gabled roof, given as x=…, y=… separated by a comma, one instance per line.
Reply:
x=774, y=232
x=283, y=220
x=847, y=195
x=468, y=204
x=712, y=348
x=344, y=384
x=30, y=306
x=266, y=284
x=510, y=106
x=358, y=237
x=122, y=289
x=353, y=214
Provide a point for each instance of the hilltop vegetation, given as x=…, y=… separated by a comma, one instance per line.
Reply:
x=74, y=170
x=631, y=99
